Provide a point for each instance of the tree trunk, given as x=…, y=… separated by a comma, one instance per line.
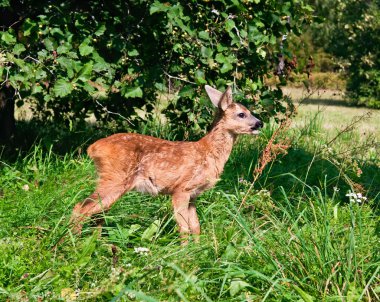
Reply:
x=7, y=110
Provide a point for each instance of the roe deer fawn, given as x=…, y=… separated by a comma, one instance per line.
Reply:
x=129, y=161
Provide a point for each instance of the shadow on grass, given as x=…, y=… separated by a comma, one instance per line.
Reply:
x=326, y=102
x=60, y=138
x=308, y=168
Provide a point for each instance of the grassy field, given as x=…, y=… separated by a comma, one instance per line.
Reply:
x=297, y=237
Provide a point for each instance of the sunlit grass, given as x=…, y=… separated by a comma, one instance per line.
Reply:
x=297, y=237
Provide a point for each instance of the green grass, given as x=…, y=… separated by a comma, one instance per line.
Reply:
x=297, y=238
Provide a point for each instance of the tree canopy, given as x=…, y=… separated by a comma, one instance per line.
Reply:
x=350, y=31
x=70, y=59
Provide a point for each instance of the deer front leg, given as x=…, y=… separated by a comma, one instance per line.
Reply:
x=181, y=214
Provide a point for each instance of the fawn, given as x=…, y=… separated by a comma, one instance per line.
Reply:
x=183, y=170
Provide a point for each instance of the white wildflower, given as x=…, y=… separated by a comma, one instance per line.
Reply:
x=356, y=197
x=141, y=250
x=336, y=189
x=216, y=12
x=131, y=295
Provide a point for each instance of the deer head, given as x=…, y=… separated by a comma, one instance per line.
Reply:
x=235, y=117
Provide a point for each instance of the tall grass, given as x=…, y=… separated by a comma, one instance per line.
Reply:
x=297, y=237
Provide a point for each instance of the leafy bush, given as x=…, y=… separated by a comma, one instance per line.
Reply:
x=359, y=28
x=350, y=32
x=70, y=59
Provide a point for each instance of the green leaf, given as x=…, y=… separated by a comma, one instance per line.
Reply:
x=40, y=74
x=20, y=63
x=4, y=3
x=42, y=54
x=68, y=65
x=88, y=248
x=90, y=89
x=62, y=88
x=259, y=23
x=49, y=44
x=64, y=48
x=226, y=67
x=28, y=27
x=18, y=77
x=134, y=92
x=141, y=112
x=160, y=86
x=221, y=48
x=18, y=49
x=261, y=52
x=187, y=91
x=237, y=286
x=230, y=24
x=150, y=231
x=309, y=8
x=57, y=32
x=206, y=52
x=36, y=89
x=8, y=38
x=100, y=31
x=85, y=73
x=220, y=58
x=204, y=35
x=230, y=253
x=189, y=61
x=159, y=7
x=200, y=77
x=100, y=63
x=133, y=53
x=267, y=102
x=85, y=49
x=305, y=296
x=272, y=40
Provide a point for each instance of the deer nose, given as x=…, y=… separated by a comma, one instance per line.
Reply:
x=258, y=125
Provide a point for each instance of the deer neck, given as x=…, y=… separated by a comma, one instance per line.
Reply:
x=218, y=144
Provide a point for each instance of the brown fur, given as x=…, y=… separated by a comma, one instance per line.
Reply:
x=128, y=161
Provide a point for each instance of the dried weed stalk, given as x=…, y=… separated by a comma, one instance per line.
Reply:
x=272, y=149
x=270, y=153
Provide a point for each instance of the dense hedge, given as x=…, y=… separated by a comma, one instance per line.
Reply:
x=69, y=59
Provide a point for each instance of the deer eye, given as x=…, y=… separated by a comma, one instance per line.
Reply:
x=242, y=115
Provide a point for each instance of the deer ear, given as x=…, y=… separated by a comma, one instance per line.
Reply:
x=226, y=99
x=220, y=99
x=214, y=95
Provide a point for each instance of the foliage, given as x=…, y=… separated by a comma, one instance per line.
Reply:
x=350, y=32
x=70, y=59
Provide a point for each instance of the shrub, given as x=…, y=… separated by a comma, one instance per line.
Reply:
x=70, y=59
x=350, y=32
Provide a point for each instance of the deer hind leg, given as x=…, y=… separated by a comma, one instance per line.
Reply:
x=106, y=194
